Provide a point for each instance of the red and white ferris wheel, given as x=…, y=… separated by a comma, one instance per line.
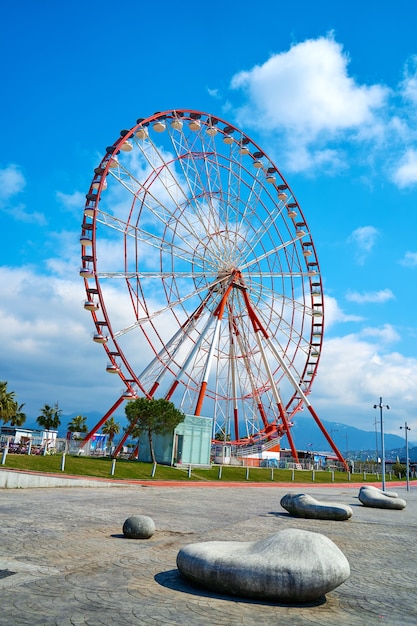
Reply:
x=202, y=277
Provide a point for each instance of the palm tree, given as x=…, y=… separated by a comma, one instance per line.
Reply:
x=8, y=403
x=78, y=424
x=49, y=417
x=19, y=418
x=111, y=428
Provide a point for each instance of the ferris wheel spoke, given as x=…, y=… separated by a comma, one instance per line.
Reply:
x=253, y=377
x=206, y=210
x=160, y=172
x=171, y=305
x=294, y=339
x=162, y=275
x=269, y=223
x=286, y=323
x=165, y=214
x=198, y=193
x=207, y=184
x=172, y=347
x=152, y=239
x=268, y=254
x=268, y=296
x=188, y=253
x=296, y=274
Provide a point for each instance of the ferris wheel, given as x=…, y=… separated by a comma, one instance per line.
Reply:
x=202, y=277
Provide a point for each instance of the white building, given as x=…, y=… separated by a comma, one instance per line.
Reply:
x=20, y=438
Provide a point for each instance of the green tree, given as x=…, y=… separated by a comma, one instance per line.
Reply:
x=8, y=403
x=50, y=417
x=19, y=417
x=78, y=424
x=399, y=469
x=153, y=417
x=111, y=428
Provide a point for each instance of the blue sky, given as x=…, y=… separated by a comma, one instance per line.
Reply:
x=330, y=93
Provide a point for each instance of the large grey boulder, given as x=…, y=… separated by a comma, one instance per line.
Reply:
x=378, y=499
x=139, y=527
x=303, y=505
x=290, y=566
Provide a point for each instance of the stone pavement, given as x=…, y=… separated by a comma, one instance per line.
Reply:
x=64, y=560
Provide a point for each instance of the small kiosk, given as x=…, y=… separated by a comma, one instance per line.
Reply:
x=190, y=444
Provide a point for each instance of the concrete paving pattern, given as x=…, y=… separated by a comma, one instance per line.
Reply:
x=64, y=559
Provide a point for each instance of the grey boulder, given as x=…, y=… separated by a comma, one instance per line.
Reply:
x=291, y=566
x=139, y=527
x=303, y=505
x=378, y=499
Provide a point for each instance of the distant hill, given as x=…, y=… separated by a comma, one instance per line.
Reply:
x=347, y=438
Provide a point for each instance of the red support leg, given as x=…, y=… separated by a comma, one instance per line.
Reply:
x=329, y=439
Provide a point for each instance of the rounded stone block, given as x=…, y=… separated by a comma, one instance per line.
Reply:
x=303, y=505
x=378, y=499
x=139, y=527
x=290, y=566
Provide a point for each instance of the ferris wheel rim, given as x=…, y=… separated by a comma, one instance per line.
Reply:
x=114, y=351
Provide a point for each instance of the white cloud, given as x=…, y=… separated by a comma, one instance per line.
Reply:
x=73, y=202
x=307, y=94
x=305, y=159
x=385, y=334
x=408, y=86
x=214, y=93
x=364, y=239
x=20, y=214
x=409, y=259
x=370, y=296
x=315, y=116
x=68, y=262
x=12, y=182
x=406, y=173
x=309, y=87
x=334, y=314
x=47, y=347
x=355, y=370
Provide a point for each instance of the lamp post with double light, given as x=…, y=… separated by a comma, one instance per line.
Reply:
x=407, y=463
x=382, y=406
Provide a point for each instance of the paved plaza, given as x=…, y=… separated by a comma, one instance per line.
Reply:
x=64, y=559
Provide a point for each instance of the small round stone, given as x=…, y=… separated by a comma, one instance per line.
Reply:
x=139, y=527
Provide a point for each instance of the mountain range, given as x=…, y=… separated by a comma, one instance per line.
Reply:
x=347, y=438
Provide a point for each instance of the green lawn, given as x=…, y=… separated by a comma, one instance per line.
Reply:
x=135, y=470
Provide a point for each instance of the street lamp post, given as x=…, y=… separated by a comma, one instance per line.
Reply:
x=407, y=466
x=346, y=435
x=310, y=453
x=381, y=406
